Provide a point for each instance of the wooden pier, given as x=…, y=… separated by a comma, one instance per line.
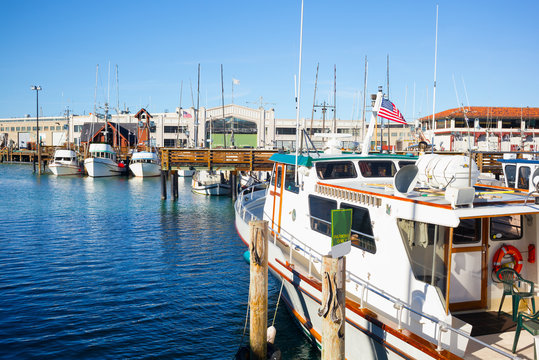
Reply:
x=216, y=159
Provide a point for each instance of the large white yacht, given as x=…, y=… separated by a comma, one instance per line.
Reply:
x=427, y=246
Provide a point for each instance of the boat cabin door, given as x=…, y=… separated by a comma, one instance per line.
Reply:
x=469, y=265
x=276, y=193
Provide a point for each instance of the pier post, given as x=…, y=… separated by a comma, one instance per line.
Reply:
x=258, y=288
x=174, y=185
x=163, y=185
x=333, y=307
x=233, y=183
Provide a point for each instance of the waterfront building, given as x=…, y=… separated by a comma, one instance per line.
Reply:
x=231, y=125
x=484, y=128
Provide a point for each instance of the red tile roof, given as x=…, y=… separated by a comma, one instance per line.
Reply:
x=482, y=112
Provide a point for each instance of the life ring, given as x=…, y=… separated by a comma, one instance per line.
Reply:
x=507, y=250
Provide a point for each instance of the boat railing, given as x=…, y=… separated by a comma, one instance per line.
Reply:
x=316, y=257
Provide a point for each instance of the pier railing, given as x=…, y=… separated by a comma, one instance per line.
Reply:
x=248, y=195
x=226, y=159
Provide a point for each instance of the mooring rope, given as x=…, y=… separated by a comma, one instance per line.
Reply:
x=277, y=306
x=245, y=324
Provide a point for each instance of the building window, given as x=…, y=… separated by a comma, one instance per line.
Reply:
x=320, y=211
x=18, y=128
x=168, y=142
x=286, y=131
x=336, y=170
x=171, y=129
x=362, y=235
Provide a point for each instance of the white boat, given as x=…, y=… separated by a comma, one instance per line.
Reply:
x=522, y=173
x=103, y=161
x=186, y=173
x=426, y=244
x=65, y=163
x=210, y=183
x=145, y=164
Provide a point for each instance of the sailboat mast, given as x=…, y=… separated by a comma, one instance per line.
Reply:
x=434, y=91
x=195, y=139
x=179, y=115
x=223, y=106
x=334, y=98
x=364, y=99
x=314, y=98
x=299, y=93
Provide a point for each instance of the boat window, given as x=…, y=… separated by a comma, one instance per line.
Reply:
x=468, y=232
x=290, y=179
x=377, y=168
x=362, y=236
x=320, y=211
x=506, y=227
x=426, y=246
x=524, y=177
x=278, y=171
x=403, y=163
x=510, y=174
x=336, y=170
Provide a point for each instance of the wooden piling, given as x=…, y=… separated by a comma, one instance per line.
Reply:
x=333, y=307
x=233, y=183
x=258, y=289
x=174, y=185
x=163, y=185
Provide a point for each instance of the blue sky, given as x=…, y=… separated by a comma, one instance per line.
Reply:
x=490, y=48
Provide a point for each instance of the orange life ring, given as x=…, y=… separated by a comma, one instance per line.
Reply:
x=507, y=250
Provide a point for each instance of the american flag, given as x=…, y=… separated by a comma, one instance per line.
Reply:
x=389, y=111
x=187, y=115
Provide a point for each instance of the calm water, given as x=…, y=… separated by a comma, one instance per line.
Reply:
x=102, y=268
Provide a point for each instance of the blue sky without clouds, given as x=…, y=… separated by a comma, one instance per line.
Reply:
x=490, y=48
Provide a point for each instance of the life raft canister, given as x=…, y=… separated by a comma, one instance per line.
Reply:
x=507, y=250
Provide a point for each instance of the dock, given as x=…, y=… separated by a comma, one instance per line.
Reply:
x=216, y=159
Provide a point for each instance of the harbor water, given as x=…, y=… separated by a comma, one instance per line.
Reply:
x=102, y=268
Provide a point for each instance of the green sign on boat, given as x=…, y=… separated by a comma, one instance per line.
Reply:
x=341, y=226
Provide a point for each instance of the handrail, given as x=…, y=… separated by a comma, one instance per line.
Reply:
x=397, y=304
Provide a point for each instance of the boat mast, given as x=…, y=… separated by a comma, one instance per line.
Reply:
x=299, y=93
x=223, y=106
x=334, y=98
x=196, y=112
x=434, y=91
x=364, y=98
x=179, y=115
x=314, y=99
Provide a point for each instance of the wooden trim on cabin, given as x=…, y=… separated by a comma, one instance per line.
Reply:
x=283, y=174
x=466, y=249
x=448, y=280
x=484, y=262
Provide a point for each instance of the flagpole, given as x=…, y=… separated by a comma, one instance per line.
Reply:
x=299, y=93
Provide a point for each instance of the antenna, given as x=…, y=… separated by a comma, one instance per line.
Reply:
x=179, y=115
x=196, y=113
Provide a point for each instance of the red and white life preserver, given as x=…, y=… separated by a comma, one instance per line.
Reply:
x=507, y=250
